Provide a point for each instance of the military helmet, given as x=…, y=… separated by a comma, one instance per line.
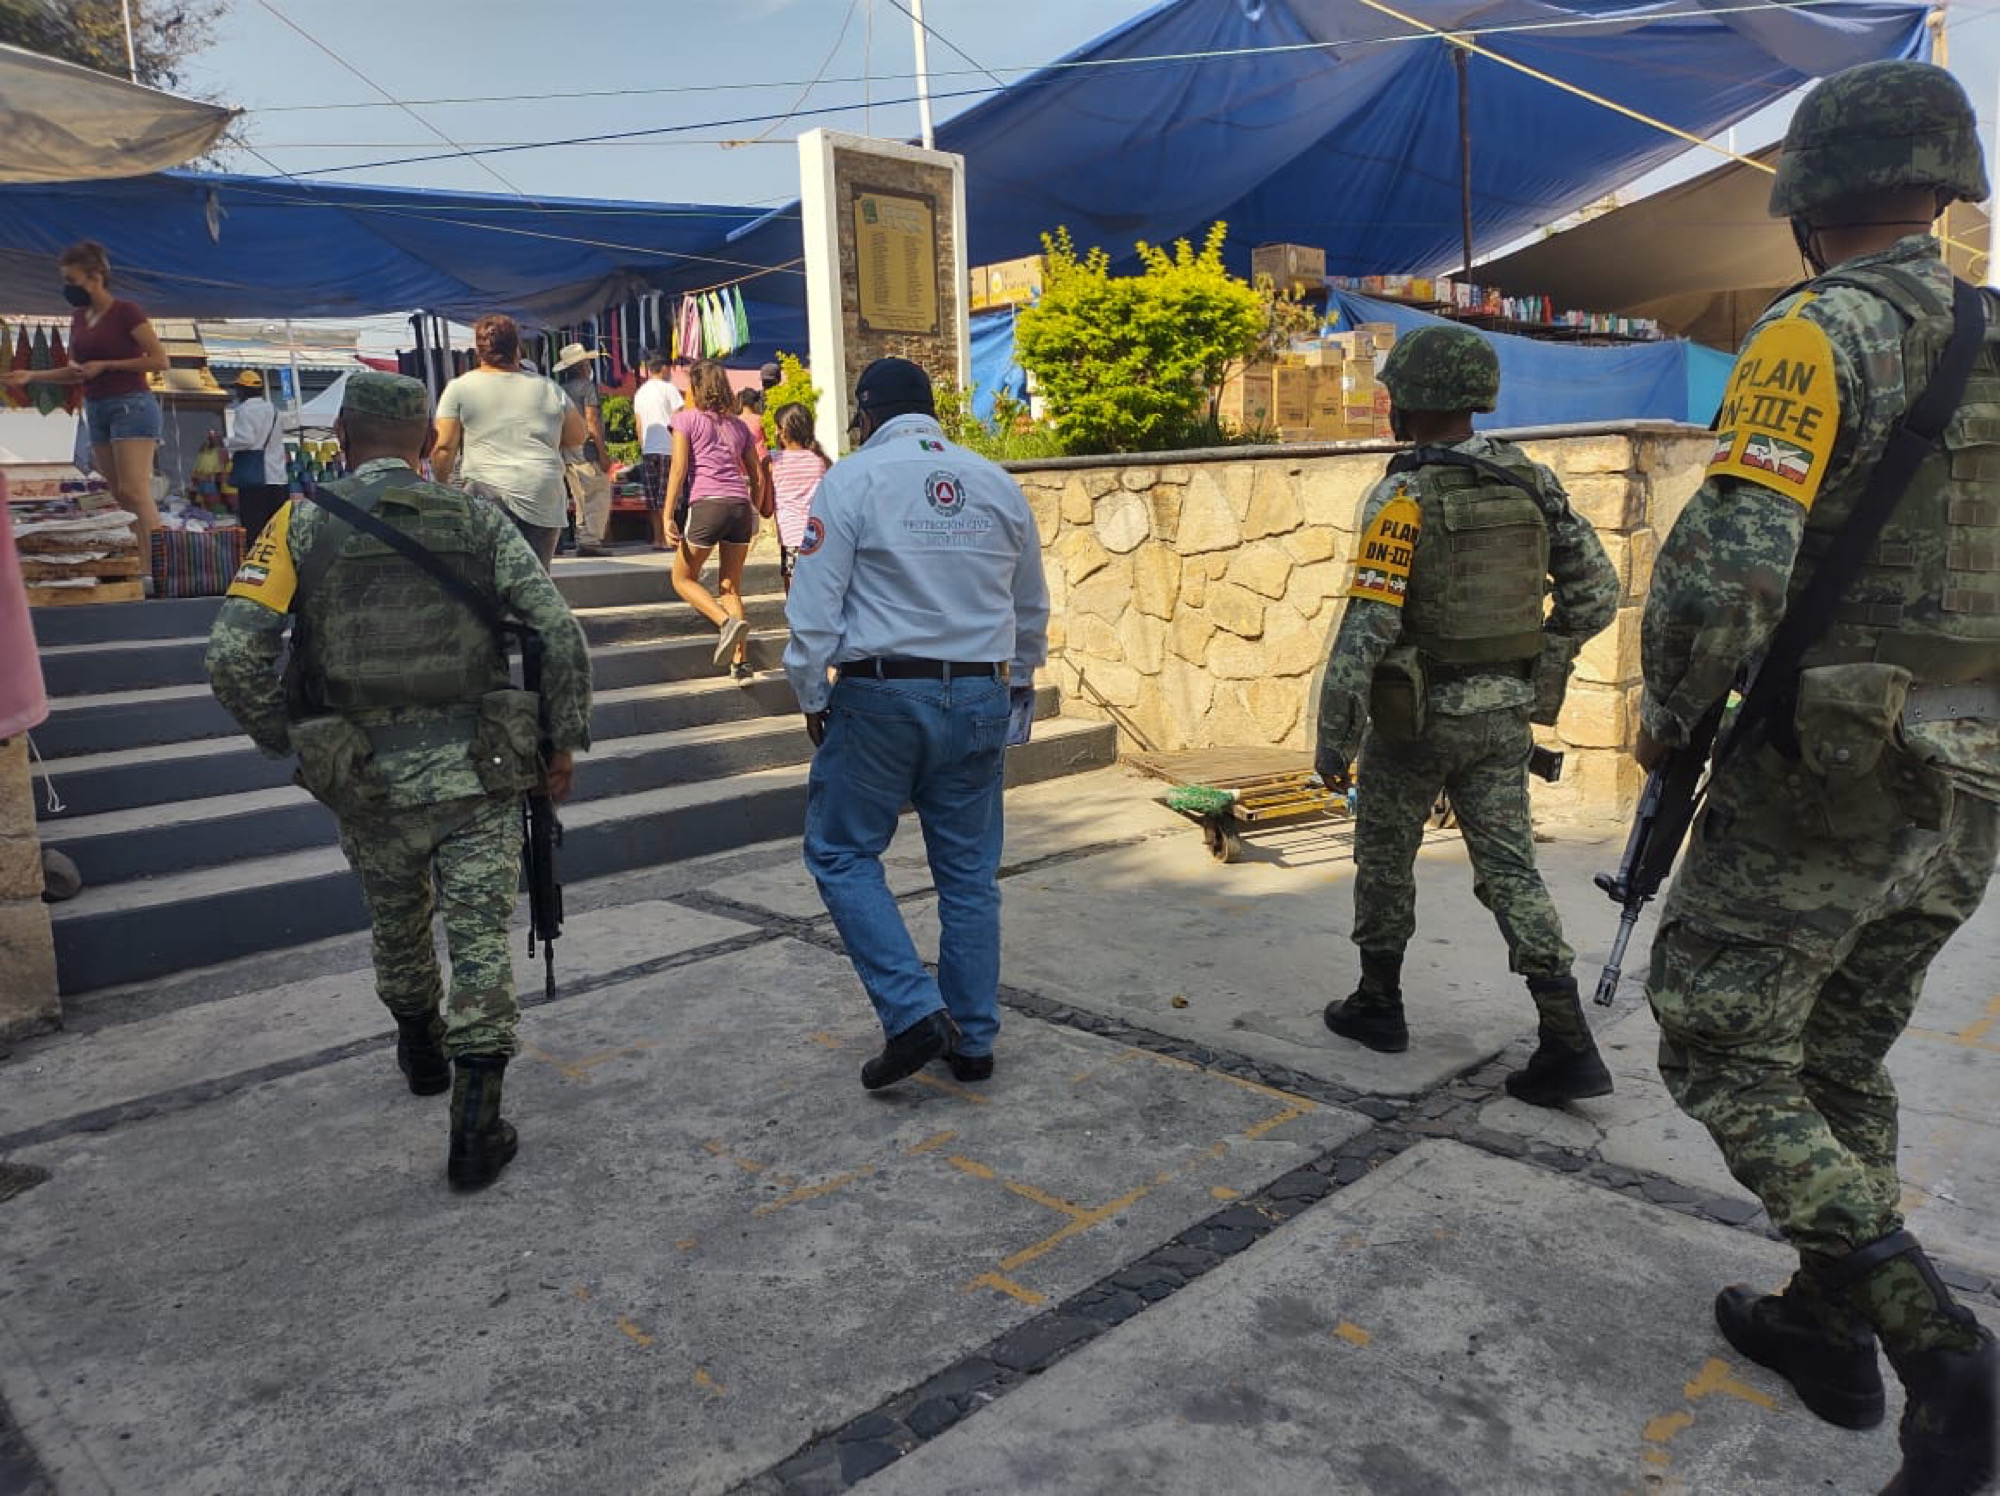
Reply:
x=1876, y=128
x=1442, y=368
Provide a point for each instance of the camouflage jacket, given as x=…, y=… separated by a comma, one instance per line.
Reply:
x=249, y=635
x=1586, y=600
x=1721, y=580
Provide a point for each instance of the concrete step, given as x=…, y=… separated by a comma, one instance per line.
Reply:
x=107, y=721
x=646, y=577
x=132, y=931
x=88, y=669
x=156, y=774
x=182, y=834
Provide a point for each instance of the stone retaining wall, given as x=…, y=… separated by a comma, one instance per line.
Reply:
x=1195, y=597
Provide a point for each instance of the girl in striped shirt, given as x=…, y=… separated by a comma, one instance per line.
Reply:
x=795, y=473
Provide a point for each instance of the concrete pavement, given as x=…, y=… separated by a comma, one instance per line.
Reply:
x=1186, y=1240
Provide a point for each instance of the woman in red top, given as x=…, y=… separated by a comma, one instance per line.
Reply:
x=112, y=348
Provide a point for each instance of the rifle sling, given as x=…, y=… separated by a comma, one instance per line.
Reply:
x=1911, y=440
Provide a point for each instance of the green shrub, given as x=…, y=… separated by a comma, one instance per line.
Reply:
x=796, y=388
x=616, y=411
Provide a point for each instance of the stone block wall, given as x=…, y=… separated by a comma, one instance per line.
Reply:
x=28, y=1002
x=1194, y=598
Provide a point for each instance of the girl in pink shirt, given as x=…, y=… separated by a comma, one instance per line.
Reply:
x=795, y=473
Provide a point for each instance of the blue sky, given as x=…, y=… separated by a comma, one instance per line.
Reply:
x=628, y=65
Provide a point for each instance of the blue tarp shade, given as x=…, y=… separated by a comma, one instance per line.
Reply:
x=994, y=366
x=1354, y=147
x=193, y=245
x=1559, y=384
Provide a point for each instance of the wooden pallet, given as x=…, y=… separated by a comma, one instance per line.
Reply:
x=76, y=597
x=112, y=568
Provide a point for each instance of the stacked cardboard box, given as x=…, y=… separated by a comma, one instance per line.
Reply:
x=1009, y=283
x=1245, y=403
x=1293, y=269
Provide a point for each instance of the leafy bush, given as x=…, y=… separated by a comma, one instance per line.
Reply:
x=1012, y=437
x=796, y=388
x=1129, y=363
x=617, y=413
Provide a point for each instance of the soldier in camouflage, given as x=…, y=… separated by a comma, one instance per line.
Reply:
x=1840, y=849
x=1442, y=659
x=398, y=702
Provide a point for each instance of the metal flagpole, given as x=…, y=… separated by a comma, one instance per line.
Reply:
x=1459, y=58
x=131, y=51
x=926, y=133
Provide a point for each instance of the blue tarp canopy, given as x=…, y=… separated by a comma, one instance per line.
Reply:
x=1349, y=140
x=1560, y=384
x=1319, y=122
x=188, y=244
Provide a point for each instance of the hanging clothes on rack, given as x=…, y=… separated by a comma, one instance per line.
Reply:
x=742, y=324
x=46, y=397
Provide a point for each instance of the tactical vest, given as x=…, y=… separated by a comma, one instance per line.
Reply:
x=1928, y=598
x=1480, y=572
x=380, y=633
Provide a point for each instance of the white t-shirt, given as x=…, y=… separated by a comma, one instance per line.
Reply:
x=513, y=432
x=253, y=424
x=653, y=412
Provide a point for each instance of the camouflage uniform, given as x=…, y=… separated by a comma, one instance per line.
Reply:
x=1820, y=882
x=416, y=822
x=1476, y=740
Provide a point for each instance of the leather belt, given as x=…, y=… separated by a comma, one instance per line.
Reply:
x=896, y=669
x=1949, y=703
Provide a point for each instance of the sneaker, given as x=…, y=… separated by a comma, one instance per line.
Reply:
x=741, y=673
x=733, y=630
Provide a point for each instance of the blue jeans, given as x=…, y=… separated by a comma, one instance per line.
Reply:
x=939, y=746
x=118, y=418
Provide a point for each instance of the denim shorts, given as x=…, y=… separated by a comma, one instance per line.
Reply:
x=122, y=418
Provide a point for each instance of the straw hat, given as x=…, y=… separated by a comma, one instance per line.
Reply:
x=249, y=379
x=572, y=355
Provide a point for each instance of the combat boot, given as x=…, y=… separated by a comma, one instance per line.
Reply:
x=1373, y=1016
x=482, y=1142
x=1560, y=1069
x=1947, y=1360
x=420, y=1056
x=1836, y=1375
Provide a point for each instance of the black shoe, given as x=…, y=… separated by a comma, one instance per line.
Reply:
x=915, y=1047
x=970, y=1068
x=1947, y=1432
x=482, y=1142
x=590, y=549
x=420, y=1057
x=1370, y=1020
x=1840, y=1382
x=740, y=672
x=1556, y=1073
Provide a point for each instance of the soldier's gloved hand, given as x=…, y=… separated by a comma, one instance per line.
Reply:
x=1331, y=765
x=816, y=726
x=559, y=776
x=1649, y=750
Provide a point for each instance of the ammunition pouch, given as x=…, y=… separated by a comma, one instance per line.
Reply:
x=1848, y=722
x=1396, y=696
x=506, y=739
x=337, y=765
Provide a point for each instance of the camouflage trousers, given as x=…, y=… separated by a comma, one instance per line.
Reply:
x=1481, y=760
x=465, y=857
x=1791, y=953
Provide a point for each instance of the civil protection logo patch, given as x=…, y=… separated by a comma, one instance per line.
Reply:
x=944, y=493
x=814, y=537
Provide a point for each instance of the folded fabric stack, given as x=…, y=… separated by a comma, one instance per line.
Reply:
x=73, y=558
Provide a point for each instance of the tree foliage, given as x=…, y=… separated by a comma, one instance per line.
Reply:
x=165, y=33
x=796, y=388
x=1129, y=363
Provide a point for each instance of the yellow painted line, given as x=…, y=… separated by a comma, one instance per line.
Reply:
x=1081, y=1224
x=970, y=1166
x=638, y=1336
x=686, y=1245
x=825, y=1041
x=1273, y=1123
x=1043, y=1198
x=813, y=1191
x=1007, y=1286
x=1663, y=1428
x=582, y=1294
x=1080, y=1077
x=934, y=1141
x=1714, y=1378
x=1353, y=1334
x=951, y=1090
x=720, y=1150
x=1224, y=1192
x=1977, y=1030
x=561, y=1066
x=1658, y=1456
x=708, y=1383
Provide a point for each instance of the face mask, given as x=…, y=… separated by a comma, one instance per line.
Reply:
x=75, y=295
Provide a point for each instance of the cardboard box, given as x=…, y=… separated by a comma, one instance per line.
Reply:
x=1245, y=403
x=1328, y=391
x=1293, y=268
x=975, y=291
x=1291, y=397
x=1326, y=354
x=1013, y=282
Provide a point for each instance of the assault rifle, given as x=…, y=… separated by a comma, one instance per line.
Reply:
x=542, y=829
x=1545, y=763
x=1667, y=807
